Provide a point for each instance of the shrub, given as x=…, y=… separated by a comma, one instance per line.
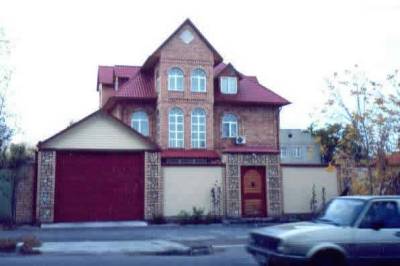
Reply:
x=8, y=245
x=183, y=217
x=211, y=218
x=30, y=242
x=158, y=219
x=197, y=215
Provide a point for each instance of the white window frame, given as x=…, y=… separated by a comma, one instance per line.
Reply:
x=141, y=119
x=232, y=123
x=198, y=119
x=284, y=151
x=297, y=151
x=198, y=76
x=176, y=128
x=231, y=85
x=176, y=77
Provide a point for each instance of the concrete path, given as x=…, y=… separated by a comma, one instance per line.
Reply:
x=94, y=225
x=151, y=247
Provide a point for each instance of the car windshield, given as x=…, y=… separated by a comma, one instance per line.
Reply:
x=342, y=212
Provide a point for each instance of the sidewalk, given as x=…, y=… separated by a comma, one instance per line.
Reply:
x=145, y=247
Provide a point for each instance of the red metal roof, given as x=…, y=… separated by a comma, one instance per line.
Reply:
x=180, y=153
x=105, y=75
x=250, y=149
x=126, y=71
x=141, y=86
x=250, y=91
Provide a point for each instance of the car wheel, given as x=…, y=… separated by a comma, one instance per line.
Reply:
x=328, y=258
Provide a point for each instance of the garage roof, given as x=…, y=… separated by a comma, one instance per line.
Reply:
x=98, y=131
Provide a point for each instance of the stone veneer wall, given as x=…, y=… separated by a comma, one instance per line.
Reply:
x=153, y=194
x=233, y=182
x=45, y=186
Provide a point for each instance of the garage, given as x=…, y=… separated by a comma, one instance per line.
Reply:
x=87, y=189
x=93, y=170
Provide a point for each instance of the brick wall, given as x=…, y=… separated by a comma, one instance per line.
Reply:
x=24, y=194
x=257, y=123
x=128, y=108
x=187, y=57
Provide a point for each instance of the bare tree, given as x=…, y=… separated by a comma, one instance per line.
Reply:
x=371, y=109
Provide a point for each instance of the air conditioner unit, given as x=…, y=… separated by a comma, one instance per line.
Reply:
x=240, y=140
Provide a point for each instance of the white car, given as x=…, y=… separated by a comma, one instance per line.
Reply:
x=351, y=230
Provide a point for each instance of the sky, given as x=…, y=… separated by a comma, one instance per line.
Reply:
x=291, y=46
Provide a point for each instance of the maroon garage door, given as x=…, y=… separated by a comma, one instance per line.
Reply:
x=99, y=186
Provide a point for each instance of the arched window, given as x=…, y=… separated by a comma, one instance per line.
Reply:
x=140, y=122
x=199, y=80
x=175, y=79
x=198, y=128
x=229, y=126
x=176, y=128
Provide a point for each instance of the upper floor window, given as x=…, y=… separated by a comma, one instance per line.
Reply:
x=140, y=122
x=198, y=80
x=175, y=79
x=176, y=128
x=229, y=85
x=198, y=128
x=229, y=126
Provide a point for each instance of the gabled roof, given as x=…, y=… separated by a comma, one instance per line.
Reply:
x=98, y=131
x=137, y=83
x=140, y=86
x=222, y=66
x=107, y=74
x=250, y=92
x=150, y=61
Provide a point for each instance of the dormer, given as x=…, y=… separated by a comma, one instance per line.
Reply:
x=227, y=79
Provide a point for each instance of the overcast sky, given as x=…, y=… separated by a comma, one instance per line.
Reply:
x=291, y=46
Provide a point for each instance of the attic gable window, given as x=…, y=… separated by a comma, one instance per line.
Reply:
x=228, y=85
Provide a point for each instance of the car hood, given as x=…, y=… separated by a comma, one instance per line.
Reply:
x=301, y=231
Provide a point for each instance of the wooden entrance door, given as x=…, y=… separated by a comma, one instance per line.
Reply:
x=253, y=191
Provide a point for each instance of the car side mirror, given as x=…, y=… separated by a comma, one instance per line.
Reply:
x=377, y=225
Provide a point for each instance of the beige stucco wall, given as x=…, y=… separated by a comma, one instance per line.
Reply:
x=298, y=183
x=98, y=131
x=185, y=187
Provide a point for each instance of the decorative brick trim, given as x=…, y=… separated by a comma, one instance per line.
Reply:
x=45, y=186
x=153, y=182
x=233, y=185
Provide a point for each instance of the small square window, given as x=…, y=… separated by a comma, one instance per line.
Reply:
x=229, y=85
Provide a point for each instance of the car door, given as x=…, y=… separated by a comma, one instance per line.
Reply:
x=391, y=231
x=377, y=237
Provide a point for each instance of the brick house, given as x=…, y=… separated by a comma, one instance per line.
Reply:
x=173, y=128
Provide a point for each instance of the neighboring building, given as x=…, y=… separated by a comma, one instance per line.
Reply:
x=299, y=147
x=171, y=129
x=303, y=171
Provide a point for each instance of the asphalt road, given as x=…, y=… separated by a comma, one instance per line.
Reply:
x=199, y=234
x=231, y=256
